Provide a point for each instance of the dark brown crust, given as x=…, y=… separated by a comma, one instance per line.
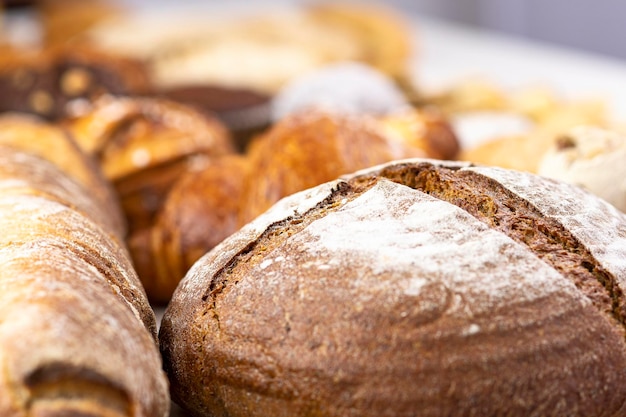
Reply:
x=273, y=237
x=240, y=342
x=279, y=325
x=500, y=209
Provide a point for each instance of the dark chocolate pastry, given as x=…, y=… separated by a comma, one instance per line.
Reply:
x=47, y=84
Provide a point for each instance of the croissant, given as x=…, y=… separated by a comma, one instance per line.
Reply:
x=143, y=146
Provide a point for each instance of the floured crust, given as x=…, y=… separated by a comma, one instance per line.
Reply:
x=368, y=297
x=78, y=335
x=23, y=173
x=53, y=144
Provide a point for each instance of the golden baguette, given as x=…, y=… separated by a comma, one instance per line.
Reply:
x=77, y=333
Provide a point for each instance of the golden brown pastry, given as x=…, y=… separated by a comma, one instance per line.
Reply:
x=416, y=288
x=144, y=146
x=200, y=211
x=310, y=148
x=78, y=334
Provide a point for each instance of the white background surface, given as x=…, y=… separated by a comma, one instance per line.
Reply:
x=450, y=52
x=590, y=25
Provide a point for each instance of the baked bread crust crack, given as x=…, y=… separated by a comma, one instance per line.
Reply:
x=389, y=301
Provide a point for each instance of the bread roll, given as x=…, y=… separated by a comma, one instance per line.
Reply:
x=592, y=158
x=416, y=288
x=309, y=148
x=78, y=335
x=200, y=211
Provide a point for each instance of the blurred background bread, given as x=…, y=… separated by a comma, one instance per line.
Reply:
x=48, y=82
x=259, y=51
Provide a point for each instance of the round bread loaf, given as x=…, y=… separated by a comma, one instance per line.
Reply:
x=419, y=287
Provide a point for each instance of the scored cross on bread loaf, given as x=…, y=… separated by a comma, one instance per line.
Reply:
x=415, y=288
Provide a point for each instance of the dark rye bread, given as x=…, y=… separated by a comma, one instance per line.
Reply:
x=415, y=288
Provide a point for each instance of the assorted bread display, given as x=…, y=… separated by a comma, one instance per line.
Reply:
x=259, y=51
x=268, y=215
